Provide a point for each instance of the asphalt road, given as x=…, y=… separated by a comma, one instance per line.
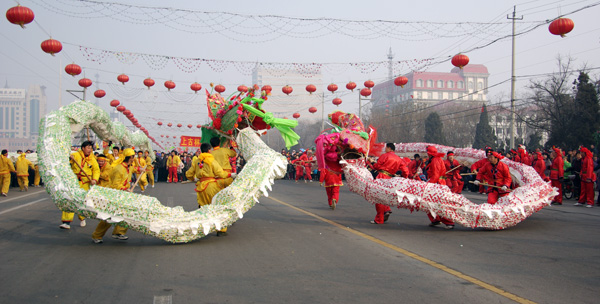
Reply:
x=292, y=248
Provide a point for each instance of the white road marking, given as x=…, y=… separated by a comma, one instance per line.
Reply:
x=25, y=205
x=14, y=198
x=163, y=299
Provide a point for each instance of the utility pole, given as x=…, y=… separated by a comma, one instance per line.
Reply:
x=513, y=79
x=323, y=112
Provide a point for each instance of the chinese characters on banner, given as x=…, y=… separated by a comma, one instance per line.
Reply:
x=190, y=141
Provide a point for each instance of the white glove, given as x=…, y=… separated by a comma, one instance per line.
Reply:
x=476, y=182
x=504, y=188
x=233, y=175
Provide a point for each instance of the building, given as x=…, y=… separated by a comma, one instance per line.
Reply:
x=20, y=114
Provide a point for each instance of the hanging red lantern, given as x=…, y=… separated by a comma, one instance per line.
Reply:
x=148, y=82
x=190, y=126
x=20, y=15
x=127, y=112
x=174, y=136
x=220, y=88
x=51, y=46
x=365, y=92
x=121, y=108
x=196, y=87
x=337, y=101
x=351, y=86
x=460, y=60
x=296, y=115
x=114, y=103
x=169, y=125
x=198, y=126
x=311, y=88
x=267, y=88
x=73, y=69
x=561, y=26
x=134, y=120
x=242, y=89
x=332, y=87
x=159, y=123
x=179, y=125
x=162, y=135
x=123, y=78
x=84, y=82
x=169, y=85
x=167, y=136
x=369, y=84
x=401, y=81
x=99, y=93
x=287, y=90
x=312, y=109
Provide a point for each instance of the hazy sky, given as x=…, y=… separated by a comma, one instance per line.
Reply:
x=240, y=39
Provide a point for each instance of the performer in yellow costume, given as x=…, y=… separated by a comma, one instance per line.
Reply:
x=222, y=156
x=36, y=177
x=149, y=169
x=23, y=165
x=172, y=164
x=6, y=167
x=115, y=156
x=207, y=170
x=85, y=167
x=140, y=165
x=120, y=179
x=105, y=168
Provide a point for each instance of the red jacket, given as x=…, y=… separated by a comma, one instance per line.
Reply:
x=436, y=170
x=557, y=170
x=389, y=163
x=478, y=164
x=540, y=166
x=331, y=178
x=413, y=167
x=300, y=161
x=454, y=175
x=497, y=175
x=587, y=169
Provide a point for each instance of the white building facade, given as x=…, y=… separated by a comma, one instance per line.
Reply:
x=20, y=114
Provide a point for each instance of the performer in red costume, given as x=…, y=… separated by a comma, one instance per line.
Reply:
x=588, y=177
x=495, y=173
x=453, y=178
x=331, y=179
x=300, y=163
x=539, y=165
x=387, y=165
x=478, y=164
x=435, y=172
x=525, y=158
x=414, y=166
x=556, y=174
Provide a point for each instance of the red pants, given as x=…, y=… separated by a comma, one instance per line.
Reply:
x=440, y=219
x=557, y=184
x=587, y=193
x=381, y=210
x=494, y=195
x=172, y=174
x=300, y=172
x=455, y=185
x=333, y=193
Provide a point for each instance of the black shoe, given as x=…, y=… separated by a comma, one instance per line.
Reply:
x=221, y=233
x=433, y=224
x=386, y=216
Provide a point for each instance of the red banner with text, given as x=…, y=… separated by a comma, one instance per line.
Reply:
x=190, y=141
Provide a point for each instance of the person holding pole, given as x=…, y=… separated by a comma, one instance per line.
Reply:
x=496, y=176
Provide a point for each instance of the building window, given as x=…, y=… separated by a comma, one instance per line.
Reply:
x=450, y=84
x=419, y=83
x=440, y=83
x=430, y=83
x=429, y=95
x=470, y=96
x=479, y=97
x=479, y=85
x=460, y=85
x=470, y=85
x=419, y=95
x=440, y=95
x=450, y=95
x=460, y=95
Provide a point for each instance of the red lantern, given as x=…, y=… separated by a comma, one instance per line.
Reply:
x=114, y=103
x=169, y=125
x=220, y=88
x=242, y=88
x=369, y=84
x=287, y=90
x=51, y=46
x=351, y=86
x=365, y=92
x=296, y=115
x=73, y=69
x=159, y=123
x=169, y=85
x=99, y=93
x=332, y=87
x=19, y=15
x=167, y=136
x=198, y=126
x=311, y=88
x=190, y=126
x=267, y=88
x=127, y=112
x=312, y=109
x=85, y=82
x=174, y=136
x=401, y=81
x=148, y=82
x=337, y=101
x=561, y=26
x=121, y=108
x=460, y=60
x=123, y=78
x=179, y=125
x=196, y=87
x=162, y=135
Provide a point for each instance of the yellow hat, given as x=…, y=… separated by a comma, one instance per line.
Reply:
x=128, y=152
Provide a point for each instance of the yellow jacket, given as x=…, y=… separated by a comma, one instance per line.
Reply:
x=120, y=177
x=6, y=165
x=111, y=158
x=149, y=166
x=89, y=165
x=23, y=165
x=139, y=163
x=207, y=170
x=104, y=180
x=173, y=161
x=222, y=156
